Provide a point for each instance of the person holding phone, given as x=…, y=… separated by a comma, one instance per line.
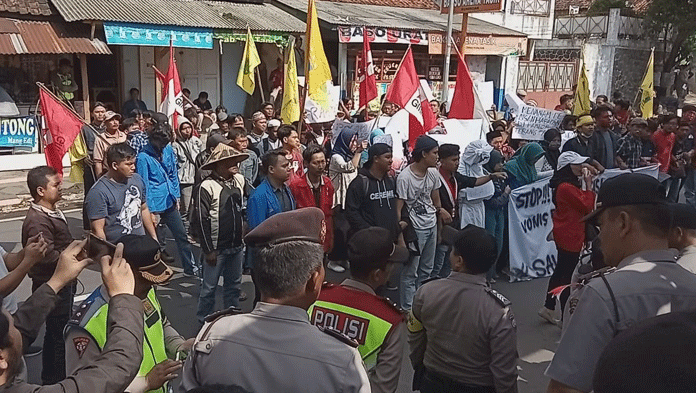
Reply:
x=114, y=369
x=86, y=332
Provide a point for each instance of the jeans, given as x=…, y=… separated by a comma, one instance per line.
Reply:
x=185, y=202
x=229, y=265
x=495, y=225
x=53, y=356
x=441, y=266
x=690, y=187
x=419, y=266
x=172, y=219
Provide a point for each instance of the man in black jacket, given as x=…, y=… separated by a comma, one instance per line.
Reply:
x=371, y=196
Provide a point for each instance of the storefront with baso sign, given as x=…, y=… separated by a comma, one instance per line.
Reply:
x=486, y=56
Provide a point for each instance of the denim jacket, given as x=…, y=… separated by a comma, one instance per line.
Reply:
x=161, y=177
x=263, y=203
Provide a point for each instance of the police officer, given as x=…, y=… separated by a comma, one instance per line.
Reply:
x=354, y=309
x=683, y=235
x=643, y=279
x=86, y=330
x=462, y=333
x=275, y=348
x=122, y=353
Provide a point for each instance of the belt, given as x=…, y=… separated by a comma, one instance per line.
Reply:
x=446, y=384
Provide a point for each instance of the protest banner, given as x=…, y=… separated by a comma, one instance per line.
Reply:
x=532, y=251
x=317, y=113
x=459, y=132
x=18, y=131
x=362, y=130
x=651, y=170
x=531, y=122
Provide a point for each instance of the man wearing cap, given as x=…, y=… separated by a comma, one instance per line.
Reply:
x=418, y=188
x=634, y=220
x=275, y=348
x=629, y=151
x=86, y=332
x=462, y=333
x=259, y=122
x=584, y=142
x=683, y=235
x=371, y=196
x=356, y=311
x=111, y=136
x=217, y=221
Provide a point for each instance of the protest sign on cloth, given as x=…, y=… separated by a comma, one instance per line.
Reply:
x=651, y=170
x=459, y=132
x=532, y=122
x=532, y=249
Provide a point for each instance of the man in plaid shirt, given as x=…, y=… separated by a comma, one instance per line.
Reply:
x=630, y=147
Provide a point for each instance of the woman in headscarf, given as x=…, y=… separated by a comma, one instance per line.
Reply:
x=520, y=168
x=343, y=168
x=471, y=209
x=552, y=149
x=496, y=207
x=572, y=204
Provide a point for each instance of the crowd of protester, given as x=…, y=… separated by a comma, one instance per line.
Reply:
x=256, y=196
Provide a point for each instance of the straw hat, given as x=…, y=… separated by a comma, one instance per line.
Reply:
x=224, y=152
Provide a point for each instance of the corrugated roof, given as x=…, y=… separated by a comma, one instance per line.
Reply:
x=190, y=13
x=396, y=18
x=26, y=7
x=422, y=4
x=40, y=37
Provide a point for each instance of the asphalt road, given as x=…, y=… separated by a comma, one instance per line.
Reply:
x=536, y=340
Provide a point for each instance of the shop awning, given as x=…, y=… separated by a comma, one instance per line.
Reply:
x=20, y=37
x=197, y=14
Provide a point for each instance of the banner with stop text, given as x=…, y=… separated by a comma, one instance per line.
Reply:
x=532, y=249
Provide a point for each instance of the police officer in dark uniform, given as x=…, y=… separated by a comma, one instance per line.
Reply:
x=641, y=280
x=462, y=333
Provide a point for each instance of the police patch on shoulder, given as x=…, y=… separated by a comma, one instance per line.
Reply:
x=413, y=325
x=572, y=305
x=339, y=336
x=80, y=345
x=498, y=297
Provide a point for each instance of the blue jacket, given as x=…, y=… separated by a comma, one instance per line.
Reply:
x=263, y=203
x=161, y=177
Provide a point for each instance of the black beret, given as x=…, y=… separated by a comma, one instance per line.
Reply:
x=143, y=254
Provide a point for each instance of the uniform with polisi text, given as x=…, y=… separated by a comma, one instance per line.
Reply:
x=463, y=334
x=374, y=322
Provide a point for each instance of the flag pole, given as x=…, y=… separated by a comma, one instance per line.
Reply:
x=258, y=76
x=384, y=101
x=71, y=110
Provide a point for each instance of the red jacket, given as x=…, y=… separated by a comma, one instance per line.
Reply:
x=305, y=198
x=572, y=204
x=664, y=143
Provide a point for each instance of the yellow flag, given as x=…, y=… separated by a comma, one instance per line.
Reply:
x=646, y=89
x=77, y=153
x=318, y=75
x=290, y=111
x=250, y=60
x=581, y=102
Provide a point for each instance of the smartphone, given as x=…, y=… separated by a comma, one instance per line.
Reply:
x=98, y=247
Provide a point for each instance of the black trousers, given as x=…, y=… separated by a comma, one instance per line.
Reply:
x=435, y=383
x=89, y=178
x=53, y=356
x=562, y=275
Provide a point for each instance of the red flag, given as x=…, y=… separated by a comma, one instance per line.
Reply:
x=406, y=92
x=366, y=74
x=172, y=100
x=62, y=126
x=463, y=100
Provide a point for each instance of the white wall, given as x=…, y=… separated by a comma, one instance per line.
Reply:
x=536, y=27
x=233, y=97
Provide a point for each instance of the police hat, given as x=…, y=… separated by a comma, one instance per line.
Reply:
x=628, y=189
x=655, y=355
x=306, y=224
x=143, y=254
x=372, y=246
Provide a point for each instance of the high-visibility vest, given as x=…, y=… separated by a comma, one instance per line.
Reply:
x=364, y=317
x=154, y=351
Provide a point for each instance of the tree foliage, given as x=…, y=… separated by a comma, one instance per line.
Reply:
x=676, y=20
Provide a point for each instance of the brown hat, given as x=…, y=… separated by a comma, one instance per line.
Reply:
x=110, y=115
x=306, y=224
x=224, y=152
x=638, y=121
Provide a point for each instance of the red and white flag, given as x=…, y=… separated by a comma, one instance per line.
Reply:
x=407, y=92
x=464, y=98
x=172, y=99
x=62, y=126
x=366, y=74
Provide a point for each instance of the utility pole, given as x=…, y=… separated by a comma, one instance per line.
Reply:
x=448, y=51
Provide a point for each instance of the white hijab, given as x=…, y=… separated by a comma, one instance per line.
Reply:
x=475, y=155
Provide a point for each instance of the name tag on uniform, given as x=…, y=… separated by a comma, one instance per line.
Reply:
x=151, y=315
x=350, y=325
